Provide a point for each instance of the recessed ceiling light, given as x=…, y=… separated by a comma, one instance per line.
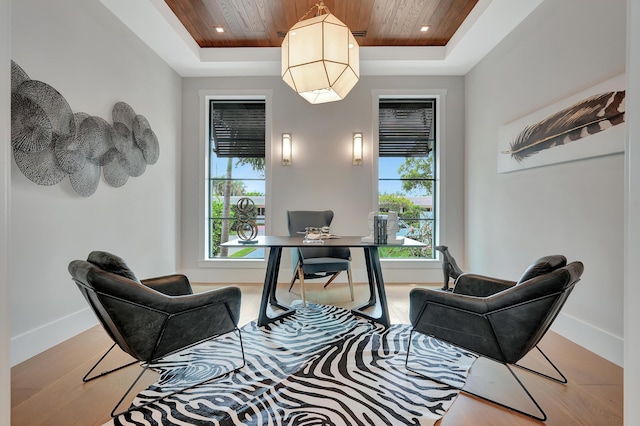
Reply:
x=424, y=28
x=219, y=29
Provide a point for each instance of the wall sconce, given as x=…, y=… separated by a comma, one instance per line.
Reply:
x=286, y=149
x=357, y=149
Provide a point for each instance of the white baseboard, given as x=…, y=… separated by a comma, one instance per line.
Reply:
x=598, y=341
x=42, y=338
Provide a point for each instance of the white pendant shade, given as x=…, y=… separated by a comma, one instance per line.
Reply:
x=320, y=59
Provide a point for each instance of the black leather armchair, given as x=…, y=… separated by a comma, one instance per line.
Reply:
x=499, y=319
x=152, y=318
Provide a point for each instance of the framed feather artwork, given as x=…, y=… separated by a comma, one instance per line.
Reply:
x=588, y=124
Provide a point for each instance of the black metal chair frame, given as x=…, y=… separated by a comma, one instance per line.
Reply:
x=152, y=359
x=485, y=317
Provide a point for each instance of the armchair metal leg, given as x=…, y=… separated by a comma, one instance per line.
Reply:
x=86, y=377
x=146, y=367
x=562, y=378
x=542, y=416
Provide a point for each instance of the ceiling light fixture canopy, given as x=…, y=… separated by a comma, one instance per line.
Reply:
x=320, y=57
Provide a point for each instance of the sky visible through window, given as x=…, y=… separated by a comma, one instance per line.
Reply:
x=243, y=172
x=388, y=169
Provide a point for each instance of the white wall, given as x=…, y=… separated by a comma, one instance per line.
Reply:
x=576, y=208
x=5, y=191
x=79, y=48
x=321, y=175
x=632, y=227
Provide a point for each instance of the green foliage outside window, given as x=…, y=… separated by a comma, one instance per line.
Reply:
x=216, y=226
x=417, y=174
x=412, y=217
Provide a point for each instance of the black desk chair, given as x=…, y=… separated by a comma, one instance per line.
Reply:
x=316, y=262
x=152, y=318
x=498, y=319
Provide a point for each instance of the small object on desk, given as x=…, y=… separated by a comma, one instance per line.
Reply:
x=383, y=229
x=314, y=235
x=379, y=229
x=246, y=228
x=313, y=241
x=320, y=236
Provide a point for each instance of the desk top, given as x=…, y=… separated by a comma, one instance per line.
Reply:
x=286, y=241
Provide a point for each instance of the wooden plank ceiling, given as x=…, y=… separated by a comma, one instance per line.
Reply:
x=263, y=23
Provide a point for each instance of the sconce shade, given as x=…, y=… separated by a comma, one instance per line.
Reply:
x=357, y=149
x=320, y=59
x=286, y=149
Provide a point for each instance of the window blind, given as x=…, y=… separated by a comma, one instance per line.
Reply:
x=406, y=127
x=238, y=128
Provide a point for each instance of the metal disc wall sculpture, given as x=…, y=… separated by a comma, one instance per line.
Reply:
x=50, y=142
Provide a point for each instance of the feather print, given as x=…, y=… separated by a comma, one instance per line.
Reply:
x=587, y=117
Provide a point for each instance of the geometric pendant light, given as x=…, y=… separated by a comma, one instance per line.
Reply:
x=320, y=58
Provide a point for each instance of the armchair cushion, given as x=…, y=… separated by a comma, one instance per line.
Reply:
x=324, y=265
x=542, y=266
x=171, y=285
x=111, y=263
x=482, y=286
x=307, y=253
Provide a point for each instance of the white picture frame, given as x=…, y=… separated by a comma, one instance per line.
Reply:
x=610, y=139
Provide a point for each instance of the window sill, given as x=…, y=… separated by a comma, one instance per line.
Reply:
x=261, y=263
x=232, y=263
x=411, y=263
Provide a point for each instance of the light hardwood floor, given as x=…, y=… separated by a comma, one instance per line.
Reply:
x=48, y=390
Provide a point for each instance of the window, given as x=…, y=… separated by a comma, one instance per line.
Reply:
x=236, y=170
x=406, y=171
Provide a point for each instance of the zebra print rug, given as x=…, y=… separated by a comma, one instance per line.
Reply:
x=321, y=366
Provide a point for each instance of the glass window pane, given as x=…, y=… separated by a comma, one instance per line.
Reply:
x=407, y=186
x=232, y=178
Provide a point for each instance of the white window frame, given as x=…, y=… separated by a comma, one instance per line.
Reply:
x=204, y=97
x=440, y=190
